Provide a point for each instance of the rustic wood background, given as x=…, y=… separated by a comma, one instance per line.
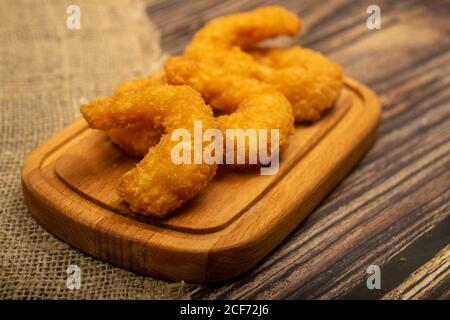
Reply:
x=393, y=209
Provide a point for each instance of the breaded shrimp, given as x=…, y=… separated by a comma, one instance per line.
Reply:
x=221, y=40
x=135, y=139
x=157, y=185
x=309, y=81
x=253, y=104
x=248, y=28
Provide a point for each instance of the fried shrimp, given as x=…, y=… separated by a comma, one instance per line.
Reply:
x=156, y=185
x=246, y=28
x=309, y=81
x=135, y=139
x=221, y=40
x=252, y=104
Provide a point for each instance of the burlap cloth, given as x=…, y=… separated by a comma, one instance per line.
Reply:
x=46, y=70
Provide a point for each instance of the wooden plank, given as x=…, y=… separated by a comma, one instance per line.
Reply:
x=431, y=280
x=407, y=63
x=404, y=262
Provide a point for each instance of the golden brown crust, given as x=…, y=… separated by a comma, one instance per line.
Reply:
x=247, y=28
x=252, y=103
x=136, y=139
x=310, y=81
x=157, y=185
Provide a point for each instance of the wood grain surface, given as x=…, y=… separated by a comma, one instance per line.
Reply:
x=393, y=209
x=70, y=192
x=97, y=173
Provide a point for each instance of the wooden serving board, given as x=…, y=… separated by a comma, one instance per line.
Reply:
x=69, y=186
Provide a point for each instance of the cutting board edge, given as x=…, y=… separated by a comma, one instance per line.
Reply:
x=204, y=263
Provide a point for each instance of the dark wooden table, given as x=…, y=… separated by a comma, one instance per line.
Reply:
x=393, y=210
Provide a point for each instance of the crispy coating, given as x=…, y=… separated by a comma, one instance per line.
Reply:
x=136, y=139
x=221, y=40
x=156, y=185
x=252, y=103
x=309, y=80
x=247, y=28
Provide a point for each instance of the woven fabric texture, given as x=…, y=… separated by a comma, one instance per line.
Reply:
x=46, y=71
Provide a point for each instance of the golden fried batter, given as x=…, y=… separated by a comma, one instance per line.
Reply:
x=254, y=104
x=221, y=40
x=310, y=81
x=156, y=185
x=136, y=139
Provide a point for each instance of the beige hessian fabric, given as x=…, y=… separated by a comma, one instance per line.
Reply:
x=46, y=70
